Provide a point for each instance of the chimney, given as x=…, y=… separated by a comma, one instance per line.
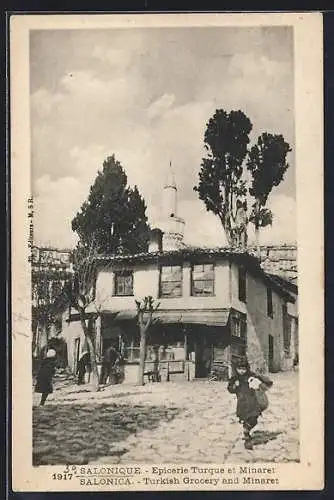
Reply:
x=155, y=244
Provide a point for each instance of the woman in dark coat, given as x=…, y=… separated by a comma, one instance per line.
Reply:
x=84, y=366
x=45, y=375
x=243, y=384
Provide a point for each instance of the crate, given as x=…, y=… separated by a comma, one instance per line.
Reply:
x=176, y=366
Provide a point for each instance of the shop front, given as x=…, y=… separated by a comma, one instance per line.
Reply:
x=181, y=345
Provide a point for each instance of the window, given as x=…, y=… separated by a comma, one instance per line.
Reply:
x=132, y=352
x=236, y=327
x=239, y=327
x=202, y=280
x=171, y=281
x=286, y=329
x=270, y=311
x=124, y=283
x=242, y=284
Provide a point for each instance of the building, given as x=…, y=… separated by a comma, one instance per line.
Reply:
x=215, y=305
x=291, y=339
x=51, y=268
x=280, y=260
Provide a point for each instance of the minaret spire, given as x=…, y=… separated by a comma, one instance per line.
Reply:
x=173, y=226
x=170, y=193
x=170, y=179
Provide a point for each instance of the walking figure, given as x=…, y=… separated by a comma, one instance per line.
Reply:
x=45, y=375
x=84, y=367
x=249, y=388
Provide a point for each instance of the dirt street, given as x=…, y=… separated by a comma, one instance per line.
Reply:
x=163, y=423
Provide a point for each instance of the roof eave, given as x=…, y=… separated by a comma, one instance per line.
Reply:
x=227, y=253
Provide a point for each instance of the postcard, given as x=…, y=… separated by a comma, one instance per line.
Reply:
x=167, y=252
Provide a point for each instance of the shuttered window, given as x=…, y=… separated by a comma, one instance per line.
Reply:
x=239, y=327
x=171, y=281
x=242, y=283
x=270, y=311
x=202, y=280
x=124, y=283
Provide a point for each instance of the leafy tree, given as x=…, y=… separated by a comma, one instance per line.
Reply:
x=267, y=163
x=81, y=294
x=220, y=178
x=47, y=286
x=222, y=181
x=114, y=213
x=145, y=310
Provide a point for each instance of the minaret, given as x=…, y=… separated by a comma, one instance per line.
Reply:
x=170, y=194
x=172, y=225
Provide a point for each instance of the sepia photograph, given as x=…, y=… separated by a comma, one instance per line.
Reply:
x=162, y=328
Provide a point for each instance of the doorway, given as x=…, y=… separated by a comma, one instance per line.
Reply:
x=203, y=358
x=76, y=354
x=271, y=353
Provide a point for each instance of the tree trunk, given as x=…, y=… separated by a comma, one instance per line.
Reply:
x=45, y=337
x=35, y=341
x=91, y=347
x=257, y=242
x=257, y=231
x=142, y=356
x=142, y=349
x=227, y=229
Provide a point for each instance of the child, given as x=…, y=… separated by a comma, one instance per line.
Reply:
x=45, y=375
x=243, y=384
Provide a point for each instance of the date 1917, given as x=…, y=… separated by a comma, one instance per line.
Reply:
x=66, y=475
x=62, y=476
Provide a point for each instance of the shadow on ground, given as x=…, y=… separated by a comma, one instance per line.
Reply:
x=71, y=397
x=63, y=434
x=263, y=437
x=127, y=394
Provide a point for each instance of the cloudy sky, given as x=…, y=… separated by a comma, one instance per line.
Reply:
x=146, y=95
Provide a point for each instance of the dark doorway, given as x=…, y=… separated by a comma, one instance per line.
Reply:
x=76, y=354
x=203, y=356
x=271, y=354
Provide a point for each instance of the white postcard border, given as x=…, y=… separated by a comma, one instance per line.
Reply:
x=309, y=473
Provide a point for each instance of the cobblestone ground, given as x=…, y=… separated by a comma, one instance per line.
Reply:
x=206, y=429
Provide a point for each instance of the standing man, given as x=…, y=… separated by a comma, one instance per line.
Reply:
x=110, y=358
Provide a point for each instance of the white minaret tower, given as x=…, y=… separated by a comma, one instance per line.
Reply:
x=172, y=225
x=170, y=194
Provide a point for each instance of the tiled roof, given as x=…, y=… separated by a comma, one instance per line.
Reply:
x=287, y=284
x=247, y=258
